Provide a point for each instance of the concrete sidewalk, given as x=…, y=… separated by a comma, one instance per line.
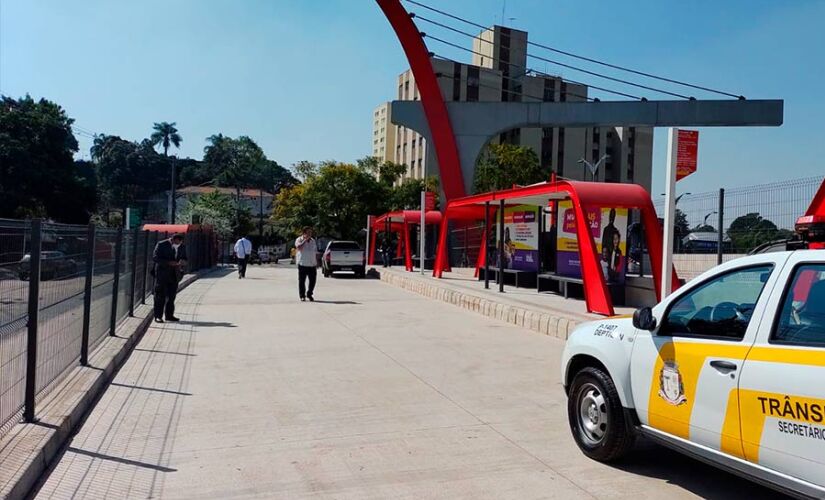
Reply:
x=370, y=392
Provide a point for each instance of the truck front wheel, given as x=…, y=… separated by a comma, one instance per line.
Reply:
x=597, y=418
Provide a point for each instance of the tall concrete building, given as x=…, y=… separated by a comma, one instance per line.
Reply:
x=499, y=72
x=383, y=133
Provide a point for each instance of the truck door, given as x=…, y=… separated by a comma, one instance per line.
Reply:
x=782, y=386
x=685, y=374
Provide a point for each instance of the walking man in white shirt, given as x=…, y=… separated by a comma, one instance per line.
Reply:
x=307, y=263
x=243, y=250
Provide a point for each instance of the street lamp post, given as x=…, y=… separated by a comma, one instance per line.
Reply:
x=705, y=222
x=594, y=168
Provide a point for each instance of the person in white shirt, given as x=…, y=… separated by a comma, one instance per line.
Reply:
x=307, y=261
x=243, y=250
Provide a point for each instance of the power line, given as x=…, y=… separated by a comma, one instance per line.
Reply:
x=584, y=58
x=581, y=70
x=459, y=47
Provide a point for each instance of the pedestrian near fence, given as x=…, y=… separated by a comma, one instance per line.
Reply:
x=243, y=250
x=169, y=257
x=307, y=260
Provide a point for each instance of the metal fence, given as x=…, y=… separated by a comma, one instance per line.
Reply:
x=60, y=302
x=741, y=218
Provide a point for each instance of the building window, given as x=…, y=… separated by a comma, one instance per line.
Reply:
x=473, y=83
x=549, y=90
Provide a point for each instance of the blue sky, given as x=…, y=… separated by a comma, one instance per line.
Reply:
x=301, y=77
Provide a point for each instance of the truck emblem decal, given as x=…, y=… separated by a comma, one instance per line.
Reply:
x=671, y=388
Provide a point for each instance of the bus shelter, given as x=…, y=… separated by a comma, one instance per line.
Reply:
x=582, y=195
x=400, y=222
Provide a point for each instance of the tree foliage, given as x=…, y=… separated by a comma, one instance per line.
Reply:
x=502, y=165
x=335, y=199
x=165, y=135
x=386, y=172
x=219, y=211
x=407, y=194
x=751, y=230
x=128, y=172
x=38, y=175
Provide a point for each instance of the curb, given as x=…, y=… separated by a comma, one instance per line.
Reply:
x=28, y=450
x=554, y=325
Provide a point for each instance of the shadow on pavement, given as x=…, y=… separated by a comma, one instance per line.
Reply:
x=656, y=461
x=222, y=324
x=337, y=302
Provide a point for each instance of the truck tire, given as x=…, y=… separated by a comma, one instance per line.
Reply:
x=597, y=419
x=360, y=272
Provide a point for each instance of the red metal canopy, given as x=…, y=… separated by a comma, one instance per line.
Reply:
x=583, y=194
x=400, y=222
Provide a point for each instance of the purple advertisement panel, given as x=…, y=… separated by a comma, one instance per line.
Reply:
x=521, y=238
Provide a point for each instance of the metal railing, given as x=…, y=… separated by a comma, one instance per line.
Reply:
x=63, y=288
x=741, y=218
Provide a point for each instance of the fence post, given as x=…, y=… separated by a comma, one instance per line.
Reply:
x=721, y=211
x=34, y=308
x=87, y=296
x=486, y=245
x=116, y=282
x=133, y=263
x=145, y=266
x=500, y=273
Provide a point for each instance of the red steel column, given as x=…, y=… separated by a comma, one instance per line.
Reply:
x=443, y=139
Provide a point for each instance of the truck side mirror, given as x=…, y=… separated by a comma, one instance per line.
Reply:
x=643, y=319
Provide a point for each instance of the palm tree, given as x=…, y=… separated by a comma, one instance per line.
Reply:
x=167, y=135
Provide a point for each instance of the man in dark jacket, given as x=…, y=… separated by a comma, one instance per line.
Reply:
x=169, y=258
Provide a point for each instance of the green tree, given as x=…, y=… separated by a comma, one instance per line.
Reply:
x=335, y=199
x=407, y=195
x=305, y=170
x=237, y=163
x=681, y=228
x=751, y=230
x=271, y=177
x=165, y=134
x=386, y=172
x=219, y=211
x=502, y=165
x=128, y=172
x=38, y=175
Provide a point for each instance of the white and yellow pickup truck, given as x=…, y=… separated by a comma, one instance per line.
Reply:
x=730, y=369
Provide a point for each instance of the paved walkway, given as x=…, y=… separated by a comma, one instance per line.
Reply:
x=371, y=392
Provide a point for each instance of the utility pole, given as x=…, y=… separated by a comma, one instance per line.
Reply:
x=172, y=189
x=261, y=217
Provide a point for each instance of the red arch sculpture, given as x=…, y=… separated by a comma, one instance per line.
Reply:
x=431, y=99
x=582, y=194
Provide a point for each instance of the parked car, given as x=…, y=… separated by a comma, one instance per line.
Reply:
x=343, y=256
x=263, y=257
x=728, y=369
x=53, y=265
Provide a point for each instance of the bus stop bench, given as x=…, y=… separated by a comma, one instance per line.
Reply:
x=616, y=290
x=563, y=282
x=515, y=277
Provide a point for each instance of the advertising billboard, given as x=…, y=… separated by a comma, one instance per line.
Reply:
x=607, y=225
x=521, y=238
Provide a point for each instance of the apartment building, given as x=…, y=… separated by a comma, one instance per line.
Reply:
x=383, y=133
x=499, y=73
